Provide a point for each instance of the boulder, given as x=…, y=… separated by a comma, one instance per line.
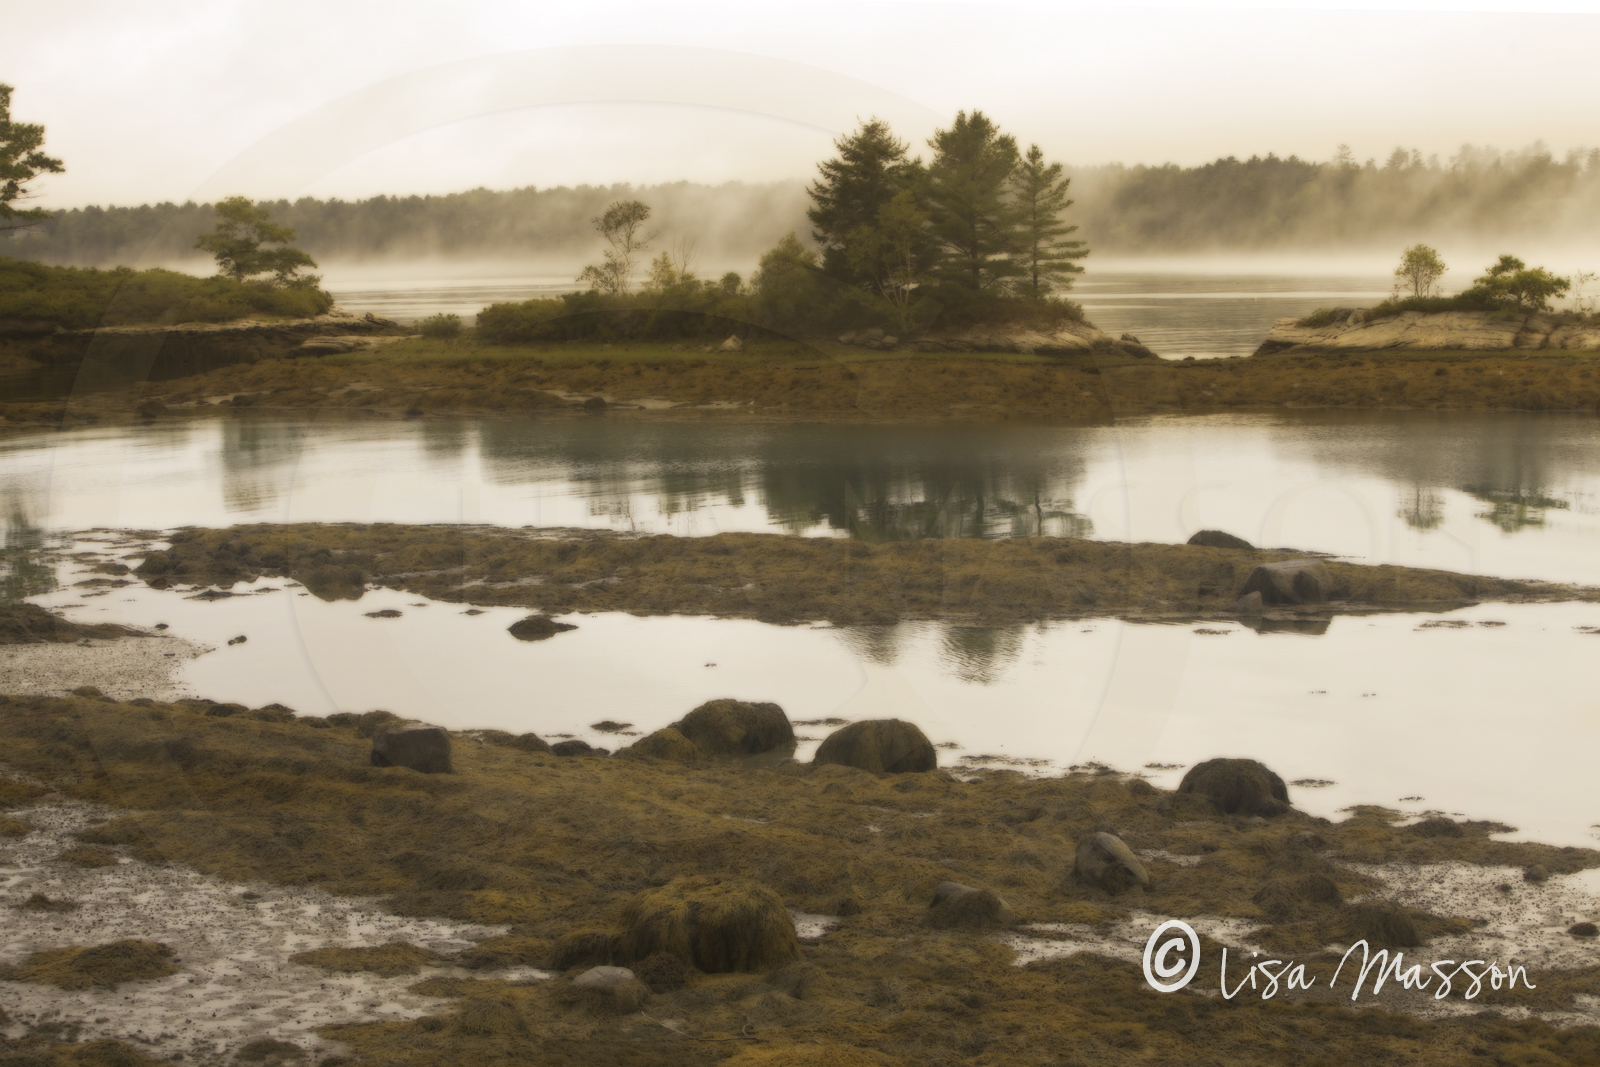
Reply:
x=964, y=906
x=1219, y=539
x=416, y=745
x=537, y=628
x=736, y=728
x=611, y=990
x=1290, y=581
x=577, y=748
x=878, y=746
x=666, y=743
x=1237, y=787
x=718, y=925
x=1106, y=862
x=732, y=344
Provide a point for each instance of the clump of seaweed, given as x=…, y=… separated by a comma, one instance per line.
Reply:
x=714, y=925
x=103, y=966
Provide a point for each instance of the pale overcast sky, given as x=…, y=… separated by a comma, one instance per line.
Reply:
x=178, y=99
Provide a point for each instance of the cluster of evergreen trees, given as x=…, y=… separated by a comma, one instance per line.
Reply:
x=981, y=217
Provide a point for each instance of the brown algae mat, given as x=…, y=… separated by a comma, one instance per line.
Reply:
x=830, y=382
x=559, y=849
x=789, y=579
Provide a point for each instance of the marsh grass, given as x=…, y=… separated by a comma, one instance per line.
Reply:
x=85, y=967
x=790, y=579
x=562, y=849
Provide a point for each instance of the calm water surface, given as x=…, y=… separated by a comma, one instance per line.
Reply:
x=1492, y=721
x=1177, y=313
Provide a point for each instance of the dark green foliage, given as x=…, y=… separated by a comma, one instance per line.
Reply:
x=849, y=198
x=442, y=326
x=1045, y=254
x=236, y=241
x=965, y=197
x=20, y=162
x=85, y=297
x=1510, y=284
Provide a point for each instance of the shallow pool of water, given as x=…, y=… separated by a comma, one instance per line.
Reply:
x=1507, y=495
x=1488, y=712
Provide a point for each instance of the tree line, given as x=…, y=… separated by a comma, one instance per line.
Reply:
x=1260, y=203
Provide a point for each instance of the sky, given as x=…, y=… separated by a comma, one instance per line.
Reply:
x=195, y=99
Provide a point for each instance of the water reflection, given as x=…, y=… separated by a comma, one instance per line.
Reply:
x=25, y=574
x=872, y=483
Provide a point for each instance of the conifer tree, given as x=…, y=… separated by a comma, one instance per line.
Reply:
x=20, y=161
x=1039, y=196
x=847, y=200
x=965, y=195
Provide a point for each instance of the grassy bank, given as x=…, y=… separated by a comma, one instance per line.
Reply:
x=559, y=847
x=790, y=579
x=788, y=381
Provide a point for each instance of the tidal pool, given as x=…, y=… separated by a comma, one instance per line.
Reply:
x=1487, y=712
x=1508, y=495
x=1489, y=721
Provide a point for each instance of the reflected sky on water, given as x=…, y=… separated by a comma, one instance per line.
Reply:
x=1507, y=495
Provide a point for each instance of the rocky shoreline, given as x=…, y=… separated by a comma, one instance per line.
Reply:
x=1359, y=330
x=312, y=902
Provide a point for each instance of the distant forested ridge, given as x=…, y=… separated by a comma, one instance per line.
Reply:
x=1261, y=203
x=733, y=220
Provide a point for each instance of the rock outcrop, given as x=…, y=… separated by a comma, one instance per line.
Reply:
x=1064, y=339
x=737, y=728
x=1106, y=862
x=416, y=745
x=1218, y=539
x=1238, y=787
x=1291, y=581
x=878, y=746
x=1355, y=329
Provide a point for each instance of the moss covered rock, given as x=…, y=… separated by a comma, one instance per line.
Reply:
x=879, y=746
x=1238, y=787
x=717, y=925
x=737, y=728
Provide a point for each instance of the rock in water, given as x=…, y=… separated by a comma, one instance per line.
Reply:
x=1105, y=860
x=538, y=627
x=718, y=925
x=412, y=744
x=879, y=746
x=1290, y=581
x=736, y=728
x=1219, y=539
x=1238, y=787
x=967, y=907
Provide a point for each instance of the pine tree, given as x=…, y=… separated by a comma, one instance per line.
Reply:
x=1039, y=196
x=965, y=197
x=869, y=171
x=20, y=161
x=242, y=228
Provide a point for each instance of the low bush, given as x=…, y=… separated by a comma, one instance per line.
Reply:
x=441, y=326
x=79, y=298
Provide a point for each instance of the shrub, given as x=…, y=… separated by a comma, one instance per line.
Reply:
x=442, y=326
x=85, y=297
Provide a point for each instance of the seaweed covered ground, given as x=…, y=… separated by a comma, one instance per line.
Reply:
x=558, y=849
x=415, y=377
x=790, y=579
